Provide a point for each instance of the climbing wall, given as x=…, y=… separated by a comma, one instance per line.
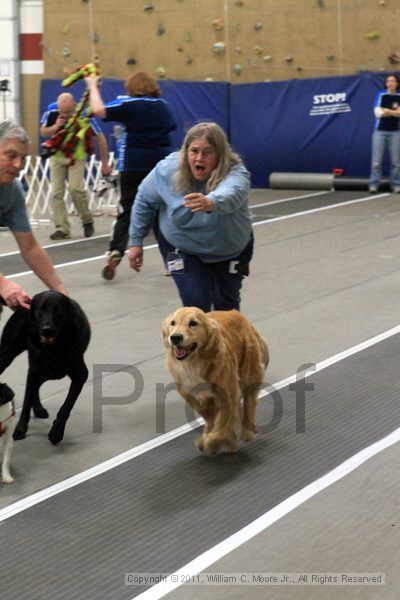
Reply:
x=234, y=40
x=238, y=41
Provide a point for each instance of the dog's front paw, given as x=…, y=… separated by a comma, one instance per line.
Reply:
x=40, y=413
x=19, y=432
x=7, y=478
x=200, y=443
x=246, y=435
x=56, y=433
x=212, y=446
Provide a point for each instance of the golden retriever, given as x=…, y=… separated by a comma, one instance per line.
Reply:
x=215, y=358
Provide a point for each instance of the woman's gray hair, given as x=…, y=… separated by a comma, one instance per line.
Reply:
x=11, y=130
x=216, y=137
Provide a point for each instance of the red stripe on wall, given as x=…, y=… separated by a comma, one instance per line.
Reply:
x=30, y=46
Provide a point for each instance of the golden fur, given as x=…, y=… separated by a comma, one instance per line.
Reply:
x=215, y=358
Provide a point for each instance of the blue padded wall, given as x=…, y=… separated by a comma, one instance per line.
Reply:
x=293, y=125
x=307, y=125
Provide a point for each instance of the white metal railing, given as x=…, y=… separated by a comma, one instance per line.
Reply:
x=35, y=178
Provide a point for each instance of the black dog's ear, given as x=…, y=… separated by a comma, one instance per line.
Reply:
x=6, y=394
x=32, y=312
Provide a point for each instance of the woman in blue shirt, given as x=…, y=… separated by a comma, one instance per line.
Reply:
x=148, y=122
x=205, y=232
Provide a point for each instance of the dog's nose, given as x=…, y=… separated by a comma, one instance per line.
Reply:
x=47, y=330
x=176, y=338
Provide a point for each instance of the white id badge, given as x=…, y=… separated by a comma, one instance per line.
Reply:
x=233, y=267
x=175, y=263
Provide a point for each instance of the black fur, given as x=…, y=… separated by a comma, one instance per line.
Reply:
x=56, y=333
x=6, y=394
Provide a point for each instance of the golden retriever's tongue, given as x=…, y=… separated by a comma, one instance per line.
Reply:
x=180, y=351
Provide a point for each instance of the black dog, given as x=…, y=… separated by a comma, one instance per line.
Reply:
x=56, y=333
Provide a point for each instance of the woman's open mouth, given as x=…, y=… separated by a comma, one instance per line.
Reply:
x=199, y=170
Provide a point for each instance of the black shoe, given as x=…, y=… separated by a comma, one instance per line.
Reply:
x=88, y=229
x=59, y=234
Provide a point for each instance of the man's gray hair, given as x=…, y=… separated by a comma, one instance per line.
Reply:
x=11, y=130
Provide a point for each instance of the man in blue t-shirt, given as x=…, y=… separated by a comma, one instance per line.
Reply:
x=14, y=146
x=72, y=167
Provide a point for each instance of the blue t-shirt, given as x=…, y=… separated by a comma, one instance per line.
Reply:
x=51, y=113
x=13, y=212
x=145, y=139
x=385, y=100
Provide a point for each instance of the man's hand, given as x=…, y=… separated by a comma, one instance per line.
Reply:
x=60, y=122
x=14, y=295
x=135, y=256
x=106, y=170
x=92, y=81
x=61, y=289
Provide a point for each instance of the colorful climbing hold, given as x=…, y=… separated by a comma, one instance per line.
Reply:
x=161, y=72
x=394, y=58
x=219, y=47
x=373, y=35
x=218, y=24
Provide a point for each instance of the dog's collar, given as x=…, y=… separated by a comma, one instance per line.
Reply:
x=12, y=414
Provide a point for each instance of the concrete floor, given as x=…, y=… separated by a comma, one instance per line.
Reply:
x=320, y=283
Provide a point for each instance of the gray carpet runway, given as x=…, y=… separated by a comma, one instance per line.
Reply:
x=98, y=245
x=160, y=510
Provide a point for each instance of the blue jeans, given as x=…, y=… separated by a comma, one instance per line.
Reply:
x=209, y=286
x=379, y=140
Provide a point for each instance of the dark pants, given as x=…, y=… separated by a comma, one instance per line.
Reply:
x=129, y=183
x=209, y=286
